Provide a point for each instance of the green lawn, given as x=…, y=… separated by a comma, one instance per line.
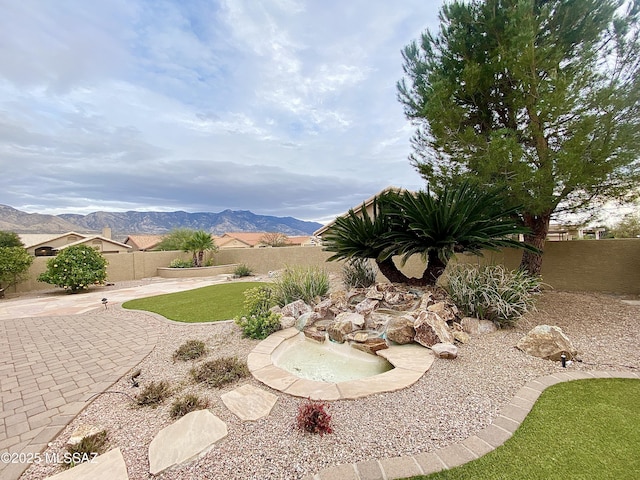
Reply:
x=583, y=429
x=206, y=304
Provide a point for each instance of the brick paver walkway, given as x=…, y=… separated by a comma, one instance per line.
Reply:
x=50, y=366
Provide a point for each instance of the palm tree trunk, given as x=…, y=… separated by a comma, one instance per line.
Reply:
x=539, y=225
x=435, y=268
x=391, y=272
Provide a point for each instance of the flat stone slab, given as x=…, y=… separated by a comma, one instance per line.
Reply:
x=108, y=466
x=249, y=403
x=184, y=440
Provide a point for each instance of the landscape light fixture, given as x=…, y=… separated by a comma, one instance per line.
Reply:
x=104, y=302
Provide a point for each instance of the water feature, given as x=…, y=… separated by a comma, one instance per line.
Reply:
x=326, y=362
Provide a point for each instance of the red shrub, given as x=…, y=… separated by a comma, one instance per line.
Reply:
x=313, y=418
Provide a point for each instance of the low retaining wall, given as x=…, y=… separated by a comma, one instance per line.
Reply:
x=166, y=272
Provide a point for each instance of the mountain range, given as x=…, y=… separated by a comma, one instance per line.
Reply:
x=125, y=223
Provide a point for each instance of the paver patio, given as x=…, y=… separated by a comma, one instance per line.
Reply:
x=53, y=359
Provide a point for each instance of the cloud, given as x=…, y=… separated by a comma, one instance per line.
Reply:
x=279, y=107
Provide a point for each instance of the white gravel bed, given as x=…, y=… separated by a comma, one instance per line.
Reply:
x=453, y=400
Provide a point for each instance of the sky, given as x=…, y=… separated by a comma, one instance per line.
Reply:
x=281, y=107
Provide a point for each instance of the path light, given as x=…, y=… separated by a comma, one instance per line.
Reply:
x=104, y=302
x=563, y=358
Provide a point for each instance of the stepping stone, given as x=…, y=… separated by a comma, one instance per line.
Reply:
x=108, y=466
x=249, y=403
x=186, y=439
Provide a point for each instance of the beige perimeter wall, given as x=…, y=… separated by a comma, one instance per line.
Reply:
x=611, y=266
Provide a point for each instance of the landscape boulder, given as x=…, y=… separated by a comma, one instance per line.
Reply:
x=474, y=326
x=345, y=323
x=307, y=319
x=445, y=350
x=431, y=329
x=400, y=329
x=295, y=309
x=548, y=342
x=366, y=306
x=287, y=322
x=371, y=345
x=313, y=333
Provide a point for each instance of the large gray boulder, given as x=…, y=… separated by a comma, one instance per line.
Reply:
x=548, y=342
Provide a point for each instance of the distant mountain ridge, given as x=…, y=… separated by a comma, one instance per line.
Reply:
x=133, y=222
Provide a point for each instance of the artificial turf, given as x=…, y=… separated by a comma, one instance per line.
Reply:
x=206, y=304
x=583, y=429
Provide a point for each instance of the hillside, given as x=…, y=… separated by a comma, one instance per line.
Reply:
x=124, y=223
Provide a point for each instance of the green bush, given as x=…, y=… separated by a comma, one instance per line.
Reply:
x=258, y=321
x=491, y=292
x=359, y=273
x=14, y=265
x=242, y=270
x=180, y=263
x=76, y=268
x=301, y=283
x=219, y=372
x=260, y=326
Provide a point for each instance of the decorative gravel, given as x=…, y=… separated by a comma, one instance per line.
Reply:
x=453, y=400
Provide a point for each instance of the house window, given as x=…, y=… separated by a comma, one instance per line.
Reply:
x=44, y=252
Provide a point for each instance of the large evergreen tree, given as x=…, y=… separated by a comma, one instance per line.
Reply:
x=540, y=97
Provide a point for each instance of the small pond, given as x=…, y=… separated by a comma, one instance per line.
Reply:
x=326, y=362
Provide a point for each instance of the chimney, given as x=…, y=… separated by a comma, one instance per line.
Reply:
x=106, y=232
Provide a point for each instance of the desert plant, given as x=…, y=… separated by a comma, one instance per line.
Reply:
x=14, y=266
x=199, y=243
x=86, y=449
x=76, y=268
x=258, y=321
x=180, y=263
x=301, y=283
x=190, y=350
x=460, y=218
x=259, y=326
x=219, y=372
x=153, y=394
x=274, y=239
x=188, y=403
x=492, y=292
x=358, y=273
x=313, y=417
x=242, y=270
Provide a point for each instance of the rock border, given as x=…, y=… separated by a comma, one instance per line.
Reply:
x=474, y=447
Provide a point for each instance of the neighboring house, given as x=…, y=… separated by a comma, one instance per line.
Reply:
x=241, y=240
x=368, y=205
x=303, y=241
x=51, y=244
x=559, y=232
x=143, y=242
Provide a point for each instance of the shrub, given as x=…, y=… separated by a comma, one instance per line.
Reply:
x=260, y=326
x=85, y=449
x=492, y=292
x=359, y=273
x=14, y=265
x=190, y=350
x=313, y=417
x=219, y=372
x=301, y=283
x=180, y=263
x=242, y=270
x=153, y=394
x=76, y=268
x=188, y=403
x=259, y=322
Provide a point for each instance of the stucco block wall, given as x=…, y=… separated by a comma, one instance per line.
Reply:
x=611, y=266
